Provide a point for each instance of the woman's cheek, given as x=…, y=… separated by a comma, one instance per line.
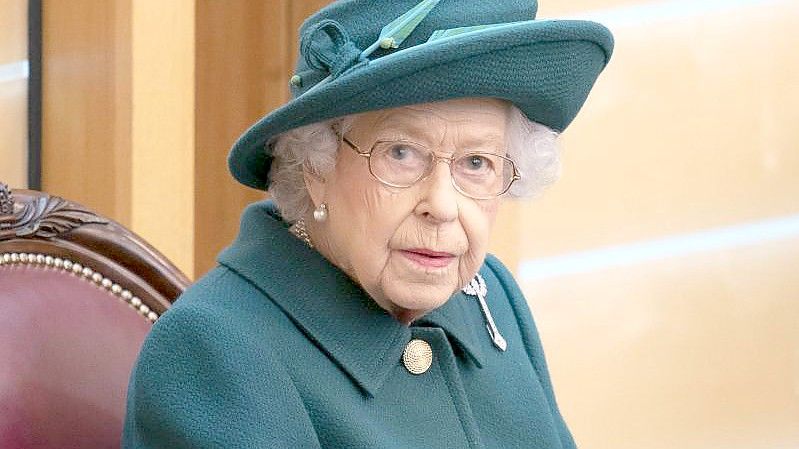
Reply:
x=478, y=227
x=470, y=266
x=372, y=228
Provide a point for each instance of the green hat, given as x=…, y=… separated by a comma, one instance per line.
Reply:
x=364, y=55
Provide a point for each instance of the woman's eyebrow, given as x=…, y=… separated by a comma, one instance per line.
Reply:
x=399, y=125
x=482, y=140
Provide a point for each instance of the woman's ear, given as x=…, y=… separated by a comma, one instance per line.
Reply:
x=316, y=186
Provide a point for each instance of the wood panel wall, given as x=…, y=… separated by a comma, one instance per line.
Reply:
x=13, y=93
x=246, y=51
x=118, y=114
x=143, y=100
x=163, y=124
x=86, y=104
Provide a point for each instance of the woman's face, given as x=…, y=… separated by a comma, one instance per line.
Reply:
x=410, y=248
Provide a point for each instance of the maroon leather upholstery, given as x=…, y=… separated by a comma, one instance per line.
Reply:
x=67, y=347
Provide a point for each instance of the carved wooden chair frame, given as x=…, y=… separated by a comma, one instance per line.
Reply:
x=37, y=229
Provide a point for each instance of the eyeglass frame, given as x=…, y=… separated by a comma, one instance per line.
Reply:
x=436, y=159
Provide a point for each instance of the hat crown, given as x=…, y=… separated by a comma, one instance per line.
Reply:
x=363, y=20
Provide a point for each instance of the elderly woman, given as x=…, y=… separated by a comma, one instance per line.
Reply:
x=359, y=308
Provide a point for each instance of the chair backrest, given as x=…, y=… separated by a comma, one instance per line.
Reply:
x=78, y=294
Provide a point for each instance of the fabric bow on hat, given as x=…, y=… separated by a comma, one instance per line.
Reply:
x=327, y=47
x=329, y=51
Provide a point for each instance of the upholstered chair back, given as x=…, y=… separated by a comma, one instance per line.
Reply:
x=78, y=294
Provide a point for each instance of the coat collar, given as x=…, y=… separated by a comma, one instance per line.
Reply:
x=328, y=306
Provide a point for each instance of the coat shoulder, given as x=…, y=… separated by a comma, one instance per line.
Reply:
x=201, y=361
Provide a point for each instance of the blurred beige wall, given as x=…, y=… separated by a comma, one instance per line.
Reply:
x=14, y=92
x=659, y=269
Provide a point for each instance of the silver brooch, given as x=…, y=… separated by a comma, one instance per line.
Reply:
x=477, y=287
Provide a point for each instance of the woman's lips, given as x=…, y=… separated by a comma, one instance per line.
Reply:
x=428, y=258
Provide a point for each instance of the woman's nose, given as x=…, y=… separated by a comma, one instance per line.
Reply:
x=439, y=199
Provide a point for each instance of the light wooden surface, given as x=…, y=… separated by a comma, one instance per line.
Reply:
x=13, y=94
x=13, y=129
x=118, y=114
x=691, y=127
x=556, y=9
x=240, y=76
x=146, y=98
x=690, y=132
x=13, y=30
x=86, y=105
x=246, y=53
x=694, y=351
x=163, y=125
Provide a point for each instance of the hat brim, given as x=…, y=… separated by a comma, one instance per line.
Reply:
x=546, y=68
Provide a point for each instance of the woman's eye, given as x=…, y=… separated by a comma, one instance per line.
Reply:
x=477, y=163
x=400, y=152
x=404, y=155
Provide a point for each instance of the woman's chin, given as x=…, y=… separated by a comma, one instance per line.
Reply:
x=414, y=300
x=408, y=289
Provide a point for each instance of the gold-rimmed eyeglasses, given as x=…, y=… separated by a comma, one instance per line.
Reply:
x=402, y=163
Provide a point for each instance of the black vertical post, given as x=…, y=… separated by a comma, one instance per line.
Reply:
x=35, y=94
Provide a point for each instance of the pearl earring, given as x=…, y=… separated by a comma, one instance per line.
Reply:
x=320, y=213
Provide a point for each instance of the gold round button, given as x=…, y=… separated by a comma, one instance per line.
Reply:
x=417, y=357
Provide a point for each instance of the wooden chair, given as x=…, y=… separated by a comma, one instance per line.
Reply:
x=78, y=294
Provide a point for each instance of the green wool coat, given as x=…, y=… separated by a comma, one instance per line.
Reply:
x=277, y=348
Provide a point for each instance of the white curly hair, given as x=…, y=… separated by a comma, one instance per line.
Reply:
x=532, y=146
